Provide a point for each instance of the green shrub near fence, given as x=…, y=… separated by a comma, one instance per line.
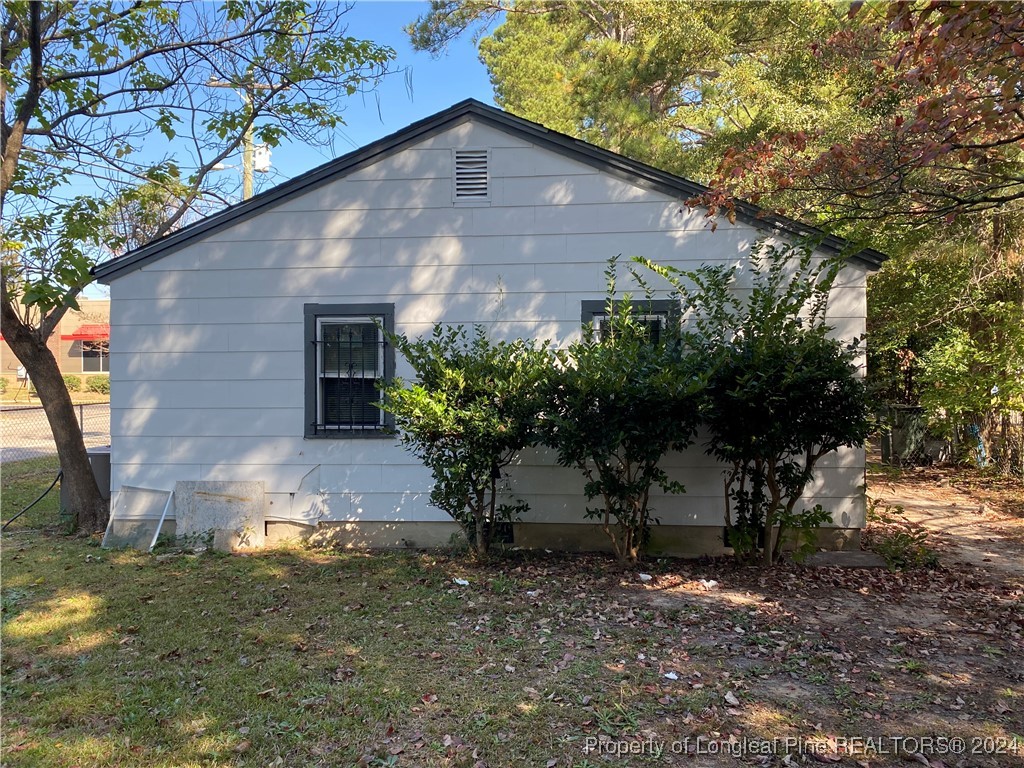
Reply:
x=73, y=383
x=3, y=386
x=100, y=384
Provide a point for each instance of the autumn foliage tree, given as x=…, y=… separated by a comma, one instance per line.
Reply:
x=103, y=98
x=948, y=125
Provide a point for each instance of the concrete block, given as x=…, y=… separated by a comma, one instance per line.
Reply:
x=403, y=535
x=232, y=511
x=279, y=532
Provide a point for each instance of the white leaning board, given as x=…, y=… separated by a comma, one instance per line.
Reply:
x=136, y=517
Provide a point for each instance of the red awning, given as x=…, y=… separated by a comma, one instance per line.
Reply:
x=89, y=332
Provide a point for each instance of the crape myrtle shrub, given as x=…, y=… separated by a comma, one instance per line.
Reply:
x=752, y=365
x=473, y=407
x=780, y=392
x=619, y=399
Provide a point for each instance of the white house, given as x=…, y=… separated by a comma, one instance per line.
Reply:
x=228, y=338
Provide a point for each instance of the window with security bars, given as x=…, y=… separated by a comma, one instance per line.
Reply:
x=348, y=358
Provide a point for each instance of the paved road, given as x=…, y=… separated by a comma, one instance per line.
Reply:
x=25, y=433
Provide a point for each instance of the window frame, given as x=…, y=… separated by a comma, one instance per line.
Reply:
x=314, y=316
x=669, y=309
x=103, y=349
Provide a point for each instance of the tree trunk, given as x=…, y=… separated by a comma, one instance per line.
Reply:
x=480, y=519
x=768, y=553
x=87, y=506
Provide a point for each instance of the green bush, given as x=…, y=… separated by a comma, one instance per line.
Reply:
x=72, y=382
x=98, y=384
x=472, y=409
x=3, y=386
x=619, y=401
x=902, y=544
x=781, y=393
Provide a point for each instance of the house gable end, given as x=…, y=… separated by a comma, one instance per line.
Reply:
x=426, y=134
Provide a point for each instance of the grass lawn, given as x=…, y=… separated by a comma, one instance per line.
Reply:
x=310, y=658
x=23, y=482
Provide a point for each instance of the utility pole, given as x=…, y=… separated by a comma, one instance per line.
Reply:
x=245, y=90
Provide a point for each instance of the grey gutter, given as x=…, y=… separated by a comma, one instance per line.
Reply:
x=616, y=165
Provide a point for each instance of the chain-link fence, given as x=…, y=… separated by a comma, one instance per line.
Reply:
x=911, y=437
x=995, y=440
x=25, y=432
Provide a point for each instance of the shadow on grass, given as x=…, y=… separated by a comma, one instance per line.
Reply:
x=318, y=658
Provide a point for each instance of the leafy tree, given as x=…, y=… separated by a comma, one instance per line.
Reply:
x=946, y=327
x=940, y=166
x=93, y=97
x=671, y=84
x=948, y=121
x=136, y=215
x=620, y=399
x=781, y=394
x=472, y=409
x=947, y=330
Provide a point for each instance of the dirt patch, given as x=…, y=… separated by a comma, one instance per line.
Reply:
x=863, y=660
x=971, y=518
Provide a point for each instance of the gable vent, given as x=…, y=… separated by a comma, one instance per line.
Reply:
x=471, y=175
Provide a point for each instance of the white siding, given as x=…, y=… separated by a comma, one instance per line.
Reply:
x=207, y=362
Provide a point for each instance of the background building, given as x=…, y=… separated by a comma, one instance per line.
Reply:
x=81, y=344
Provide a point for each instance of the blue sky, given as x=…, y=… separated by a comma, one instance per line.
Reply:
x=435, y=85
x=426, y=86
